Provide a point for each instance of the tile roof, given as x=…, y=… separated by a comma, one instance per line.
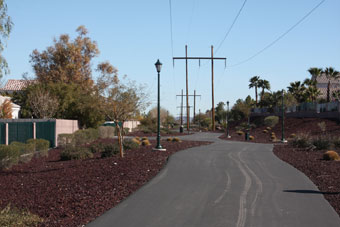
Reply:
x=16, y=85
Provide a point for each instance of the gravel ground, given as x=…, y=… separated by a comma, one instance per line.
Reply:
x=72, y=193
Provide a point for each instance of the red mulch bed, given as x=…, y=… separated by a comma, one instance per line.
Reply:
x=292, y=125
x=72, y=193
x=324, y=174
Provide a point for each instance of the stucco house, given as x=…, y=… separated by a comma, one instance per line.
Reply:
x=322, y=83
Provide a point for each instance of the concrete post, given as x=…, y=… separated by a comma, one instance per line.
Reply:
x=34, y=130
x=6, y=133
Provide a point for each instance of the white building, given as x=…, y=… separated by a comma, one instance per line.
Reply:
x=15, y=107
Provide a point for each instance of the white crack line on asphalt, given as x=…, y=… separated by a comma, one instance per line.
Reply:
x=225, y=190
x=242, y=213
x=257, y=181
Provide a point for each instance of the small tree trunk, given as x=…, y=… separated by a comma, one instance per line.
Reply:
x=256, y=95
x=120, y=142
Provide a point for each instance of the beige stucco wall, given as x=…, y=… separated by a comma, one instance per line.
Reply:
x=65, y=126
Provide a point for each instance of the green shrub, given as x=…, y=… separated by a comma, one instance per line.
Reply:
x=336, y=142
x=110, y=150
x=86, y=136
x=23, y=147
x=11, y=216
x=41, y=146
x=130, y=144
x=64, y=139
x=302, y=141
x=9, y=156
x=97, y=147
x=321, y=143
x=75, y=153
x=271, y=121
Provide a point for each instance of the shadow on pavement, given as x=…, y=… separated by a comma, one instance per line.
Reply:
x=312, y=192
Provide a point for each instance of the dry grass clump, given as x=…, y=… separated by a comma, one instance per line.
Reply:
x=144, y=138
x=331, y=155
x=146, y=142
x=11, y=216
x=240, y=133
x=169, y=139
x=265, y=131
x=136, y=140
x=292, y=136
x=176, y=139
x=269, y=128
x=251, y=137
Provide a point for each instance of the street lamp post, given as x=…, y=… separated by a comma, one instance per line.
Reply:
x=228, y=136
x=158, y=147
x=283, y=140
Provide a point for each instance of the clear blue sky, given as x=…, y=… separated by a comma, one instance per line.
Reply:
x=132, y=35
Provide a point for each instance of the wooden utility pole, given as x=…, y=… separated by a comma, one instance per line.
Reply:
x=212, y=58
x=194, y=95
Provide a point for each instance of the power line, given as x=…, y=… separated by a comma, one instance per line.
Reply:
x=280, y=37
x=231, y=26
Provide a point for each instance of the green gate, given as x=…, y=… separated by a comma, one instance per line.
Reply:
x=46, y=130
x=20, y=131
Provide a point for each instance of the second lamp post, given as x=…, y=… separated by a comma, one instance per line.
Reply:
x=158, y=147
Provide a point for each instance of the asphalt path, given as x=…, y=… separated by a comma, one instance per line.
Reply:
x=224, y=184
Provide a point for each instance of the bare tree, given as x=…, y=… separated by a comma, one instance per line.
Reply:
x=121, y=100
x=43, y=104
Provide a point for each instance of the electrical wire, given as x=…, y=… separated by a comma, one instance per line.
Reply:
x=231, y=26
x=280, y=37
x=171, y=35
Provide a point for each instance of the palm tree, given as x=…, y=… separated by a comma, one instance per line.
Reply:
x=336, y=95
x=311, y=93
x=265, y=85
x=330, y=73
x=315, y=72
x=254, y=82
x=297, y=89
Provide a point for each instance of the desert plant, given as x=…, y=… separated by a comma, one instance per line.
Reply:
x=336, y=142
x=110, y=150
x=40, y=146
x=322, y=126
x=251, y=137
x=144, y=138
x=146, y=142
x=11, y=216
x=176, y=139
x=321, y=143
x=331, y=155
x=271, y=121
x=9, y=156
x=64, y=139
x=169, y=139
x=265, y=131
x=75, y=153
x=292, y=136
x=136, y=140
x=302, y=140
x=130, y=144
x=97, y=147
x=240, y=133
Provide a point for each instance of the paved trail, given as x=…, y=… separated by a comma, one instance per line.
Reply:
x=224, y=184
